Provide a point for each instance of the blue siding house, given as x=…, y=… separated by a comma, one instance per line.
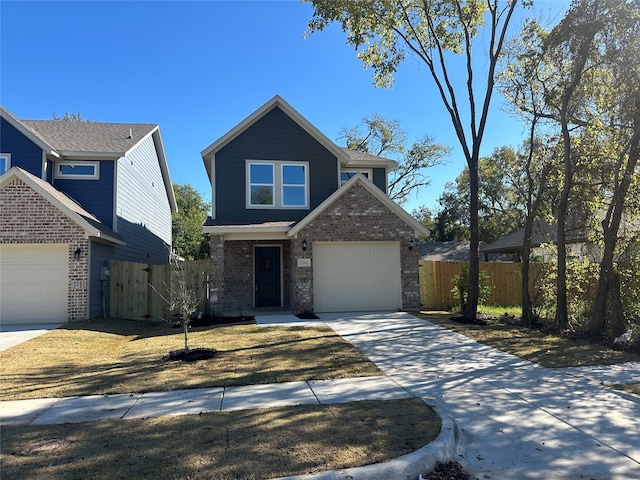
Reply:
x=73, y=196
x=301, y=224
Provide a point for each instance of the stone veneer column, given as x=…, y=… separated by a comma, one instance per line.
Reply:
x=216, y=282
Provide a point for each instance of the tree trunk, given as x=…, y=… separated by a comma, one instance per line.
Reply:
x=527, y=308
x=609, y=279
x=473, y=290
x=561, y=320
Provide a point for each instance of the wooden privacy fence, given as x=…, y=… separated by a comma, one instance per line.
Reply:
x=436, y=283
x=137, y=289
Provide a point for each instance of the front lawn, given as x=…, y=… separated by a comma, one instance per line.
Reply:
x=109, y=356
x=249, y=444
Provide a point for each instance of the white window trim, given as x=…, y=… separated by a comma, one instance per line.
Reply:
x=278, y=187
x=249, y=184
x=8, y=157
x=61, y=176
x=368, y=171
x=305, y=186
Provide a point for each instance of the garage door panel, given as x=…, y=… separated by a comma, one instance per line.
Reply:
x=350, y=276
x=34, y=279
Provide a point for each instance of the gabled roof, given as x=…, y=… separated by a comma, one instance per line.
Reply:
x=343, y=154
x=91, y=139
x=358, y=158
x=27, y=132
x=444, y=251
x=542, y=232
x=418, y=228
x=85, y=220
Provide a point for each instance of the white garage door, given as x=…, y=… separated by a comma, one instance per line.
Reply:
x=33, y=283
x=356, y=276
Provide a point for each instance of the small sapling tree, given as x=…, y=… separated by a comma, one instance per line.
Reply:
x=181, y=301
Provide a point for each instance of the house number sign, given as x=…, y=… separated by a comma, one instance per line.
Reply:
x=304, y=262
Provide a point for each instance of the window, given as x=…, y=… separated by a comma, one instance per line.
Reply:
x=78, y=170
x=261, y=184
x=294, y=185
x=277, y=184
x=5, y=162
x=346, y=175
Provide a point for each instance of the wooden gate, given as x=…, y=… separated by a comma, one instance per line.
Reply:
x=139, y=290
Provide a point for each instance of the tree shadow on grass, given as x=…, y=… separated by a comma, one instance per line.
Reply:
x=251, y=444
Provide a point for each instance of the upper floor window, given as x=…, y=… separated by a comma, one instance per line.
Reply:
x=78, y=170
x=5, y=162
x=277, y=184
x=346, y=175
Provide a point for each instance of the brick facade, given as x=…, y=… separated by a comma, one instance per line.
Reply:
x=356, y=216
x=26, y=217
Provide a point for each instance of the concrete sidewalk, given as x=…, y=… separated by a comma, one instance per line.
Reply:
x=194, y=401
x=517, y=420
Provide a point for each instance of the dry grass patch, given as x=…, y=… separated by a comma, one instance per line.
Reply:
x=119, y=356
x=250, y=444
x=544, y=349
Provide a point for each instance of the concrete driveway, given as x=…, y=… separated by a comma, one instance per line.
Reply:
x=11, y=335
x=517, y=420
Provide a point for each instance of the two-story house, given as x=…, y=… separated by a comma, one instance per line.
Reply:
x=301, y=224
x=73, y=196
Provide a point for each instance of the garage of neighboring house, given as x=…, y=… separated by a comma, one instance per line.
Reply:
x=34, y=283
x=356, y=276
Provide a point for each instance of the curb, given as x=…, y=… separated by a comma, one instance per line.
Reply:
x=407, y=467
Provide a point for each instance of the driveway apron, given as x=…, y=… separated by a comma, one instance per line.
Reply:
x=517, y=420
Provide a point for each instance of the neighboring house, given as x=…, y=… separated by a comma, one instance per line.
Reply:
x=445, y=251
x=301, y=224
x=543, y=233
x=73, y=196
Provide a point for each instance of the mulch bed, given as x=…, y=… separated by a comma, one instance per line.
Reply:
x=193, y=355
x=448, y=471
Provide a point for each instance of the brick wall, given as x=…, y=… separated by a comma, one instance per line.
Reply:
x=26, y=217
x=232, y=274
x=356, y=216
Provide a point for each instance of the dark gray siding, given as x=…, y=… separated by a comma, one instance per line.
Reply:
x=380, y=178
x=24, y=153
x=95, y=196
x=274, y=137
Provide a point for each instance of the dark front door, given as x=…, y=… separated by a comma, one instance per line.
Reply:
x=267, y=276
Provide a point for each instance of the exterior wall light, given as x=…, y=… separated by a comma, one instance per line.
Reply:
x=304, y=245
x=411, y=242
x=77, y=254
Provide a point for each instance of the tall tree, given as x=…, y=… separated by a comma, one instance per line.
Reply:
x=568, y=48
x=186, y=223
x=442, y=34
x=619, y=106
x=382, y=137
x=523, y=82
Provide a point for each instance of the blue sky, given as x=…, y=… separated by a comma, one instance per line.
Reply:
x=197, y=68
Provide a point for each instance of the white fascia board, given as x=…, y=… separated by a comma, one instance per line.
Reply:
x=164, y=167
x=69, y=155
x=27, y=132
x=247, y=233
